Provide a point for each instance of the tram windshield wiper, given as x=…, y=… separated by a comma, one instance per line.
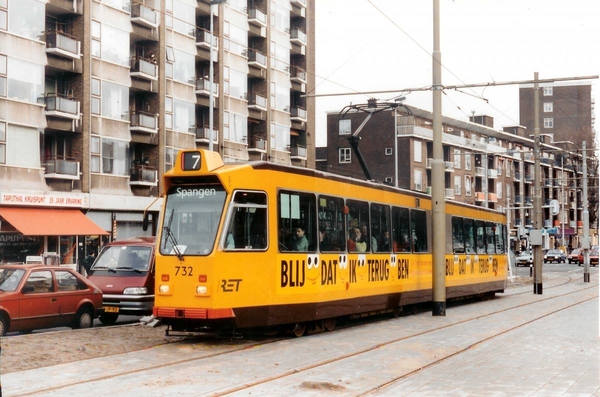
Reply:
x=171, y=238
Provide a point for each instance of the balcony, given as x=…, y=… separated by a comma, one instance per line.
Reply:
x=449, y=193
x=203, y=39
x=143, y=175
x=257, y=17
x=62, y=44
x=298, y=152
x=479, y=171
x=492, y=197
x=298, y=114
x=518, y=199
x=528, y=178
x=448, y=166
x=297, y=75
x=257, y=59
x=297, y=36
x=58, y=105
x=203, y=87
x=58, y=167
x=492, y=174
x=299, y=3
x=143, y=122
x=203, y=135
x=144, y=68
x=142, y=15
x=259, y=145
x=517, y=176
x=479, y=196
x=257, y=102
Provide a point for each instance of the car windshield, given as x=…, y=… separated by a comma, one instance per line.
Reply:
x=124, y=258
x=10, y=279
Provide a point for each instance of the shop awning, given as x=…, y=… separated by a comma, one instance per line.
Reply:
x=50, y=222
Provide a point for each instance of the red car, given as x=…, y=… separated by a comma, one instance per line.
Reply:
x=41, y=296
x=593, y=254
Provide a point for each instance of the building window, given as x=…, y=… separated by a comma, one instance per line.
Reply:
x=96, y=39
x=418, y=151
x=499, y=189
x=388, y=151
x=3, y=75
x=96, y=97
x=170, y=61
x=548, y=107
x=3, y=15
x=468, y=182
x=548, y=91
x=457, y=185
x=457, y=164
x=345, y=156
x=169, y=113
x=2, y=143
x=418, y=180
x=345, y=126
x=95, y=151
x=549, y=122
x=468, y=161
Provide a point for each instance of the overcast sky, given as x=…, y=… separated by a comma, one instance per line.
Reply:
x=375, y=45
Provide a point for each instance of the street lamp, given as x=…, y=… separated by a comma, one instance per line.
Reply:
x=211, y=72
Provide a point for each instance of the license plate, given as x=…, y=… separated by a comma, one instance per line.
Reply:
x=111, y=309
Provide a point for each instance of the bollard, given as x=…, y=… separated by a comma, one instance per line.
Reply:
x=531, y=270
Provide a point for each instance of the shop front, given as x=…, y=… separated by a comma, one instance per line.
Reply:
x=50, y=228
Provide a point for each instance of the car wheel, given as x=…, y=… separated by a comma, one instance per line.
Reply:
x=108, y=318
x=83, y=319
x=3, y=325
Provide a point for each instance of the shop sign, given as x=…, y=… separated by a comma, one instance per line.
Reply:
x=51, y=200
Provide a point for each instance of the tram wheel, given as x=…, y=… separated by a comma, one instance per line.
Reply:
x=397, y=312
x=299, y=329
x=329, y=324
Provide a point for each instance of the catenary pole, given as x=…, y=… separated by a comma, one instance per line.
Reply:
x=537, y=200
x=586, y=219
x=437, y=174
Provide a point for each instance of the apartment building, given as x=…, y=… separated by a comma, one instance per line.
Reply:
x=566, y=111
x=98, y=96
x=483, y=166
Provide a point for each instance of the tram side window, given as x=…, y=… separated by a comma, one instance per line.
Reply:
x=500, y=238
x=400, y=230
x=469, y=235
x=458, y=240
x=380, y=228
x=359, y=238
x=480, y=237
x=297, y=222
x=331, y=224
x=418, y=226
x=490, y=237
x=247, y=227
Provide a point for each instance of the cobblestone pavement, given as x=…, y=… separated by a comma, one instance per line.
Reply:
x=22, y=352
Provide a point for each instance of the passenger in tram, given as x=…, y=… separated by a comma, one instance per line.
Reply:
x=384, y=244
x=300, y=240
x=360, y=245
x=324, y=243
x=365, y=236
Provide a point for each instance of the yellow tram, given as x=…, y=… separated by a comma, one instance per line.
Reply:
x=257, y=244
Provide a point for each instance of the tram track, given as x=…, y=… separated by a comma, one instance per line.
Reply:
x=218, y=352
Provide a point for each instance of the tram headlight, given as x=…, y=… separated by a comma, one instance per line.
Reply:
x=164, y=289
x=201, y=290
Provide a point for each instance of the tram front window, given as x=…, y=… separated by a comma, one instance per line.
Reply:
x=191, y=220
